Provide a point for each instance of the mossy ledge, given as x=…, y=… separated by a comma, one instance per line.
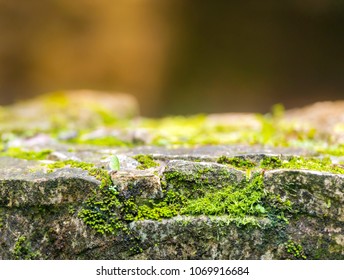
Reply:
x=273, y=208
x=146, y=161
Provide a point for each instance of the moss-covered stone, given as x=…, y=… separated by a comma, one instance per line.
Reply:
x=236, y=162
x=295, y=250
x=146, y=161
x=26, y=154
x=187, y=187
x=22, y=250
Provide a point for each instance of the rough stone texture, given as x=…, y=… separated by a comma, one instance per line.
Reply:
x=43, y=207
x=302, y=186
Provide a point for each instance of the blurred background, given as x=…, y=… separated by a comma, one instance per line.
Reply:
x=176, y=56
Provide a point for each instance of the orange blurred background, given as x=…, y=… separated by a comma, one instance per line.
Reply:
x=176, y=56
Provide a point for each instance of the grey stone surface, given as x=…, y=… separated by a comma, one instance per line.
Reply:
x=43, y=207
x=312, y=192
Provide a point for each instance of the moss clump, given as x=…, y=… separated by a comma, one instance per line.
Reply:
x=170, y=206
x=107, y=118
x=238, y=202
x=237, y=162
x=100, y=174
x=201, y=179
x=295, y=250
x=319, y=164
x=102, y=212
x=271, y=162
x=234, y=201
x=105, y=211
x=146, y=161
x=28, y=155
x=22, y=250
x=308, y=163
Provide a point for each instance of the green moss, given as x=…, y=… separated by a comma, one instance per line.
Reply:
x=71, y=210
x=234, y=201
x=271, y=162
x=268, y=133
x=203, y=190
x=238, y=202
x=334, y=150
x=102, y=212
x=181, y=131
x=178, y=131
x=22, y=250
x=24, y=154
x=100, y=174
x=295, y=250
x=146, y=161
x=319, y=164
x=103, y=141
x=237, y=162
x=307, y=163
x=270, y=130
x=108, y=212
x=195, y=183
x=170, y=206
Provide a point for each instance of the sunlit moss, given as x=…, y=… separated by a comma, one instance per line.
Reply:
x=231, y=201
x=26, y=154
x=319, y=164
x=146, y=161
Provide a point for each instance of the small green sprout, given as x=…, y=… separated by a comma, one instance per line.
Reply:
x=113, y=188
x=114, y=163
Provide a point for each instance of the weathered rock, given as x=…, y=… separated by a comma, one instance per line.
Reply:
x=302, y=186
x=138, y=183
x=40, y=210
x=23, y=186
x=68, y=110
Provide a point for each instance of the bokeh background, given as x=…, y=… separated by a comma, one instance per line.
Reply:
x=176, y=56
